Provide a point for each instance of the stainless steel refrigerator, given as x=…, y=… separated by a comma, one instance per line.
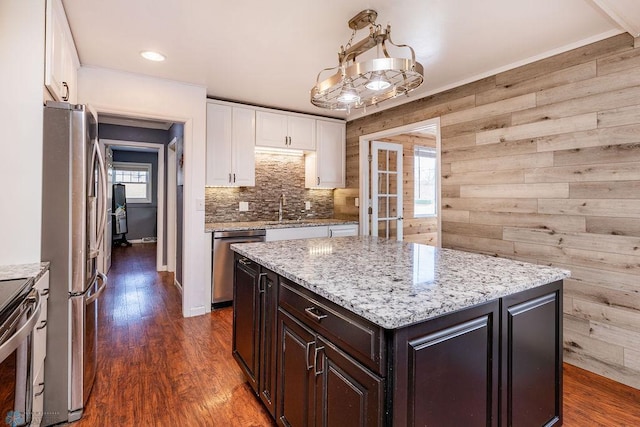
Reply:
x=73, y=220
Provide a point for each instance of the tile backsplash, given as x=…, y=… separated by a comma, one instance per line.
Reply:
x=276, y=174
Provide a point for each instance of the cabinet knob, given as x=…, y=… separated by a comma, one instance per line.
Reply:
x=318, y=351
x=307, y=353
x=41, y=391
x=66, y=95
x=318, y=180
x=229, y=178
x=234, y=177
x=261, y=276
x=314, y=313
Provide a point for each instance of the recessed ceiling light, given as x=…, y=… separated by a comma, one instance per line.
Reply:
x=152, y=56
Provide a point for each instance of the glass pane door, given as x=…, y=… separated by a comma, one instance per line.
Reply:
x=386, y=190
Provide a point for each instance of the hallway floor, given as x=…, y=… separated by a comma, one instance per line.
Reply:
x=157, y=368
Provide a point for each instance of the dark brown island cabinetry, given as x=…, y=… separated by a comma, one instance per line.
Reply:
x=315, y=363
x=255, y=306
x=531, y=357
x=319, y=383
x=447, y=370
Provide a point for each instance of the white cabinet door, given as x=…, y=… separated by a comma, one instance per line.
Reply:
x=39, y=351
x=61, y=62
x=302, y=133
x=326, y=167
x=40, y=330
x=295, y=233
x=343, y=230
x=230, y=146
x=279, y=130
x=37, y=408
x=243, y=161
x=219, y=119
x=271, y=130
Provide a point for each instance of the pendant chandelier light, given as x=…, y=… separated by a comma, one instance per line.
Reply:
x=361, y=84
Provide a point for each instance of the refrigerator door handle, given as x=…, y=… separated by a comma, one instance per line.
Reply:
x=103, y=280
x=102, y=207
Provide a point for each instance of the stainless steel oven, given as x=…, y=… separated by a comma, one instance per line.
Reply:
x=20, y=308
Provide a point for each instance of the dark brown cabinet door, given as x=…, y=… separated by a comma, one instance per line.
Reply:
x=246, y=319
x=295, y=387
x=447, y=370
x=347, y=393
x=268, y=289
x=532, y=357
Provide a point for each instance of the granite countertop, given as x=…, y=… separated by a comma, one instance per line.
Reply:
x=252, y=225
x=20, y=271
x=396, y=284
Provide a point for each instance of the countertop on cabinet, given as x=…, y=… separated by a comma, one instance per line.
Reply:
x=22, y=271
x=256, y=225
x=395, y=284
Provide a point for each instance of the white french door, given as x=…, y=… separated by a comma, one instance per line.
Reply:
x=386, y=190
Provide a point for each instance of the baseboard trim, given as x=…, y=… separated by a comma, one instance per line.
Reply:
x=143, y=240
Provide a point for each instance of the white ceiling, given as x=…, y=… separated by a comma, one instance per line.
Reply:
x=269, y=52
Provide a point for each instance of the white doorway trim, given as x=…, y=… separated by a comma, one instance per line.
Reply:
x=364, y=144
x=172, y=208
x=159, y=149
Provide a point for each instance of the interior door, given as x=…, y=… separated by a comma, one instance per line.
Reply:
x=386, y=190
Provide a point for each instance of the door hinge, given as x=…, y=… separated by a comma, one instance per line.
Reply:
x=370, y=158
x=370, y=210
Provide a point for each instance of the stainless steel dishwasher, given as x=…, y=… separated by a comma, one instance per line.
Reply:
x=222, y=263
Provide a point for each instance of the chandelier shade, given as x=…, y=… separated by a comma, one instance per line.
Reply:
x=361, y=84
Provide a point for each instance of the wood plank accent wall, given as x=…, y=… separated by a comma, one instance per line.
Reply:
x=415, y=230
x=542, y=163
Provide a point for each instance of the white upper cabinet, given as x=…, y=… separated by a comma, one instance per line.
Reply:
x=61, y=61
x=302, y=133
x=326, y=167
x=230, y=145
x=243, y=137
x=280, y=130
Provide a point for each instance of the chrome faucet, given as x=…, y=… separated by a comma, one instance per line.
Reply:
x=282, y=202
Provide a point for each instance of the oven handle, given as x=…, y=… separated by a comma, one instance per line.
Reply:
x=16, y=339
x=94, y=296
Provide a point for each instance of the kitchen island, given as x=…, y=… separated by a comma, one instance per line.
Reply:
x=377, y=332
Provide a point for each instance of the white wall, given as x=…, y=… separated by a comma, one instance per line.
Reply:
x=141, y=96
x=22, y=77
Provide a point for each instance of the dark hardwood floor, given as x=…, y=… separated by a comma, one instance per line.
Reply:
x=157, y=368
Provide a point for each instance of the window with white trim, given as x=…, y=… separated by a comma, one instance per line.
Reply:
x=425, y=175
x=136, y=178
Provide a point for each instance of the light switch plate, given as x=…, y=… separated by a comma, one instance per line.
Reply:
x=307, y=205
x=199, y=204
x=243, y=206
x=357, y=202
